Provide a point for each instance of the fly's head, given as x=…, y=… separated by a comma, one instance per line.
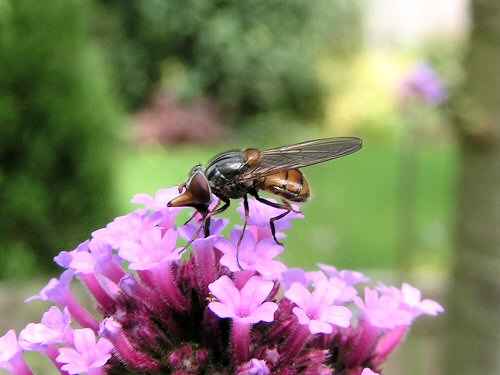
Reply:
x=194, y=192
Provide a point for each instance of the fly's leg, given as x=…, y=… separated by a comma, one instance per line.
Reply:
x=195, y=212
x=192, y=217
x=286, y=205
x=283, y=206
x=205, y=221
x=198, y=231
x=247, y=214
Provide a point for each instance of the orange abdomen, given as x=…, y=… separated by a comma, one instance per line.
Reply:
x=290, y=185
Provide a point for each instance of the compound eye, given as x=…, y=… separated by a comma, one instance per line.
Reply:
x=200, y=189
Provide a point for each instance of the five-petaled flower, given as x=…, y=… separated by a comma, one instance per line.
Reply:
x=53, y=329
x=317, y=309
x=88, y=356
x=246, y=305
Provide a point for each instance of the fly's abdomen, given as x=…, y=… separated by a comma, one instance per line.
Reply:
x=290, y=185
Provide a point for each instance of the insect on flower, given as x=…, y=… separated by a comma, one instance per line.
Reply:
x=235, y=174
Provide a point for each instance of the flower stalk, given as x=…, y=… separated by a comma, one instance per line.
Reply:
x=296, y=342
x=81, y=315
x=240, y=341
x=106, y=303
x=365, y=344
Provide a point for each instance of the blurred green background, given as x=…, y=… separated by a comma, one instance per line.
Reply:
x=104, y=99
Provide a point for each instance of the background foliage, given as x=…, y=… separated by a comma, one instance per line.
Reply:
x=57, y=133
x=253, y=57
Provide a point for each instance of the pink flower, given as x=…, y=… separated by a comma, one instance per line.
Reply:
x=53, y=329
x=98, y=268
x=246, y=305
x=9, y=346
x=153, y=249
x=317, y=309
x=351, y=278
x=64, y=258
x=58, y=291
x=367, y=371
x=340, y=279
x=159, y=202
x=11, y=355
x=383, y=311
x=124, y=228
x=88, y=356
x=292, y=275
x=410, y=299
x=85, y=257
x=161, y=214
x=252, y=255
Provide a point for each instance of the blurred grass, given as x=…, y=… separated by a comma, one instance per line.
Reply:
x=351, y=219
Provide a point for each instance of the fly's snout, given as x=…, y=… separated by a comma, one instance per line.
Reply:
x=196, y=193
x=183, y=200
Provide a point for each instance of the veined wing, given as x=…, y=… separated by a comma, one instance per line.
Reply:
x=300, y=155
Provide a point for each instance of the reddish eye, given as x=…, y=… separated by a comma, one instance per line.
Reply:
x=200, y=189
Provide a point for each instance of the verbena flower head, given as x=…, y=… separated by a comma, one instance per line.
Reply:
x=218, y=308
x=424, y=84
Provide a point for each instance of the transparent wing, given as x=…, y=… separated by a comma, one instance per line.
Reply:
x=300, y=155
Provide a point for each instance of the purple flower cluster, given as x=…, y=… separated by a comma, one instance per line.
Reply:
x=160, y=311
x=422, y=83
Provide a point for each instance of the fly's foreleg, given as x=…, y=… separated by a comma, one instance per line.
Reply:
x=247, y=215
x=206, y=220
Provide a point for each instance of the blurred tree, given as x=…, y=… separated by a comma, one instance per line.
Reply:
x=252, y=57
x=473, y=345
x=57, y=116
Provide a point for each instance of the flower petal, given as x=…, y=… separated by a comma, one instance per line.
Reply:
x=265, y=312
x=225, y=291
x=317, y=326
x=298, y=293
x=255, y=291
x=221, y=310
x=339, y=315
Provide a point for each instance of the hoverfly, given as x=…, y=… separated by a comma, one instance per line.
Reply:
x=236, y=174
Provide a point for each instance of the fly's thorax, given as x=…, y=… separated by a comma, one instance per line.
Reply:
x=290, y=185
x=223, y=174
x=226, y=165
